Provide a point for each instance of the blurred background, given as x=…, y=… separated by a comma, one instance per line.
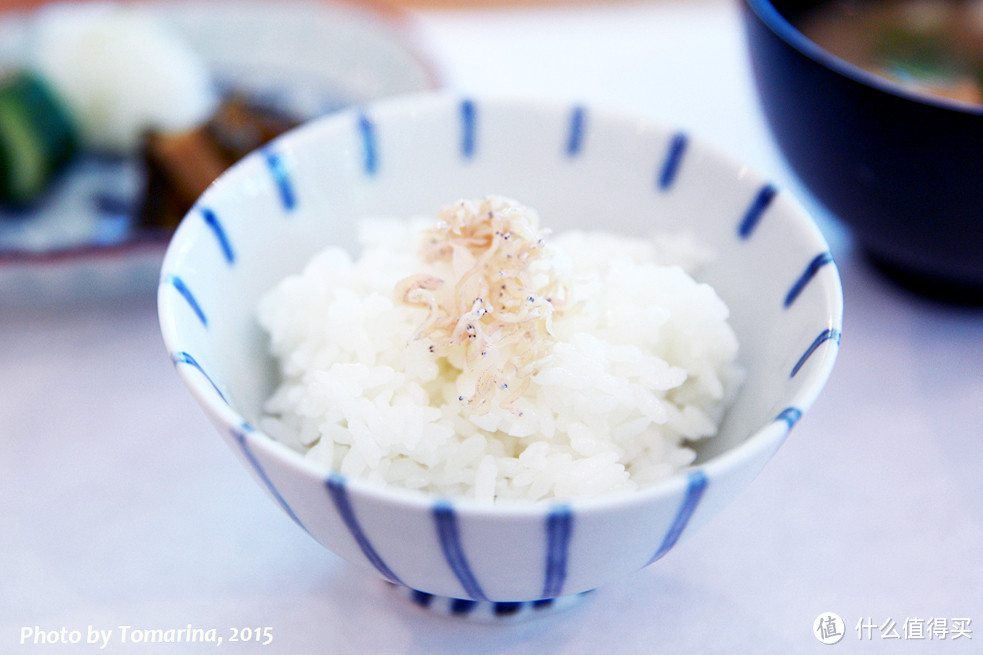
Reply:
x=121, y=507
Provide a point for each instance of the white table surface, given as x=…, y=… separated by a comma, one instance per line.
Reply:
x=121, y=507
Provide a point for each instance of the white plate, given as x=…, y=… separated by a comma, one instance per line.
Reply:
x=308, y=56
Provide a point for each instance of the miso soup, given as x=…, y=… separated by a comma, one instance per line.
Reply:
x=933, y=46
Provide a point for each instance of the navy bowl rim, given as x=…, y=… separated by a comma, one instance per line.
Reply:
x=773, y=19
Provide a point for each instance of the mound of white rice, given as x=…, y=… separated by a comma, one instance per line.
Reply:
x=628, y=362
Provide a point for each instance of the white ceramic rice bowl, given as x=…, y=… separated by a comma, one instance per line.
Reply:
x=580, y=168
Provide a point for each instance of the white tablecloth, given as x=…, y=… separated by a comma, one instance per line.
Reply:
x=121, y=507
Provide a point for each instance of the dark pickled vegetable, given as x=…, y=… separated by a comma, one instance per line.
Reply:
x=37, y=139
x=179, y=167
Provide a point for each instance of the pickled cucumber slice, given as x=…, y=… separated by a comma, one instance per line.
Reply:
x=37, y=138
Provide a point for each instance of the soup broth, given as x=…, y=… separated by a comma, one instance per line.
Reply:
x=932, y=46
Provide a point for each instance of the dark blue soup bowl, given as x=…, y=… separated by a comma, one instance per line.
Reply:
x=902, y=169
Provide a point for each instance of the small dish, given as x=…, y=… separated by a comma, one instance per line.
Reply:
x=308, y=57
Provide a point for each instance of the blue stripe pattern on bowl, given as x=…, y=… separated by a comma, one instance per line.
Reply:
x=674, y=158
x=468, y=128
x=366, y=129
x=186, y=358
x=339, y=495
x=281, y=177
x=815, y=264
x=559, y=529
x=756, y=210
x=790, y=416
x=211, y=219
x=575, y=134
x=559, y=522
x=829, y=334
x=242, y=438
x=696, y=484
x=445, y=518
x=182, y=288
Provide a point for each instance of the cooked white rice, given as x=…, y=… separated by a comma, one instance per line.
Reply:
x=640, y=362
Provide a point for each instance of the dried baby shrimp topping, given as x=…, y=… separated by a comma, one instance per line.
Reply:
x=491, y=316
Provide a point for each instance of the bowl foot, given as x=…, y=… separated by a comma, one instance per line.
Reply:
x=489, y=611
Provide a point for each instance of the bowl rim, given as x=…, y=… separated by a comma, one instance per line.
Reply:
x=774, y=20
x=761, y=441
